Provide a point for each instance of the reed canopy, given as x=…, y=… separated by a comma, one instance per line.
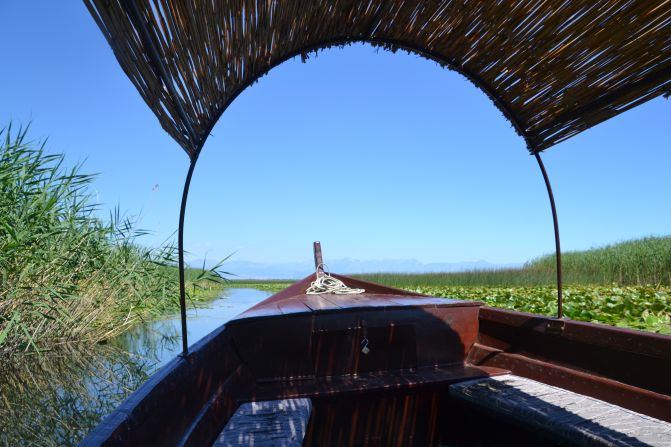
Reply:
x=553, y=67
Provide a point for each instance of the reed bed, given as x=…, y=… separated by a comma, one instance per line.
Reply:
x=637, y=262
x=66, y=275
x=626, y=284
x=640, y=262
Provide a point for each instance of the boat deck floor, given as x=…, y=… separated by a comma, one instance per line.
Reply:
x=267, y=424
x=579, y=420
x=280, y=411
x=276, y=413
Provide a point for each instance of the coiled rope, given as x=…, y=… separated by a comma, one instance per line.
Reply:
x=325, y=283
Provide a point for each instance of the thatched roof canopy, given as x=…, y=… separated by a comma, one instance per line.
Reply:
x=553, y=67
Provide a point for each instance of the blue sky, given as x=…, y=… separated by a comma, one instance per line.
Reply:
x=377, y=155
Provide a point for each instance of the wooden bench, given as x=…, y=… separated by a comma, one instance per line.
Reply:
x=274, y=423
x=364, y=383
x=578, y=419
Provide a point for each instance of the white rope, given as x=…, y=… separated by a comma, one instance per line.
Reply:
x=325, y=283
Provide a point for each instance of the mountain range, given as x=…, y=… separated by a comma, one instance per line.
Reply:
x=295, y=270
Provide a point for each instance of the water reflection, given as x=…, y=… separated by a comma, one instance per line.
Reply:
x=56, y=398
x=160, y=341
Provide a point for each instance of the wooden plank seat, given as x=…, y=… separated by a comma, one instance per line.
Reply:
x=578, y=419
x=275, y=423
x=383, y=381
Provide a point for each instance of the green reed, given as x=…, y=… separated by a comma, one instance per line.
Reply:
x=65, y=274
x=638, y=262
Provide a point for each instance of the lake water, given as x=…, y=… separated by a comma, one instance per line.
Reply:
x=160, y=341
x=56, y=399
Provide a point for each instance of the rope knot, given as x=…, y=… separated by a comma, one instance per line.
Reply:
x=325, y=283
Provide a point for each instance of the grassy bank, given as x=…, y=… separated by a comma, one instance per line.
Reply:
x=625, y=284
x=269, y=285
x=640, y=262
x=67, y=275
x=636, y=262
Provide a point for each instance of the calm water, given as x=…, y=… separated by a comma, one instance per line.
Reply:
x=55, y=400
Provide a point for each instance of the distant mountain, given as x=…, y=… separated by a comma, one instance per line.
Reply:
x=296, y=270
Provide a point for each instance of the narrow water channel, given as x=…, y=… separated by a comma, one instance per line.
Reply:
x=56, y=399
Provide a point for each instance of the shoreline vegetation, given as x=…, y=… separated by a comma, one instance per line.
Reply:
x=638, y=262
x=67, y=276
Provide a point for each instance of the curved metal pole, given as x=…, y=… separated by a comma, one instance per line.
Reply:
x=137, y=21
x=560, y=298
x=180, y=254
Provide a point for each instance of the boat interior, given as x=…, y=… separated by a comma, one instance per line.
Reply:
x=384, y=366
x=391, y=367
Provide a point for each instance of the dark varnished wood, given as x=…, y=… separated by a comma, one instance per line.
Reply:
x=442, y=335
x=218, y=409
x=298, y=345
x=598, y=335
x=319, y=261
x=618, y=393
x=622, y=366
x=364, y=383
x=318, y=303
x=321, y=335
x=294, y=300
x=398, y=419
x=165, y=406
x=417, y=417
x=290, y=307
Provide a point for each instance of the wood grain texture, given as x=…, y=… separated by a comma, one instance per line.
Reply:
x=599, y=349
x=361, y=385
x=294, y=300
x=276, y=423
x=576, y=418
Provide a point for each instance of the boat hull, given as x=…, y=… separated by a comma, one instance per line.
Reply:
x=283, y=348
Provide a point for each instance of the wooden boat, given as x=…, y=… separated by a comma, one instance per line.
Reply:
x=408, y=389
x=384, y=366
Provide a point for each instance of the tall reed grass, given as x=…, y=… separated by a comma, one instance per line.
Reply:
x=645, y=261
x=637, y=262
x=67, y=275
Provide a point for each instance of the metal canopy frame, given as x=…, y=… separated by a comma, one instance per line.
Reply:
x=158, y=66
x=156, y=61
x=182, y=214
